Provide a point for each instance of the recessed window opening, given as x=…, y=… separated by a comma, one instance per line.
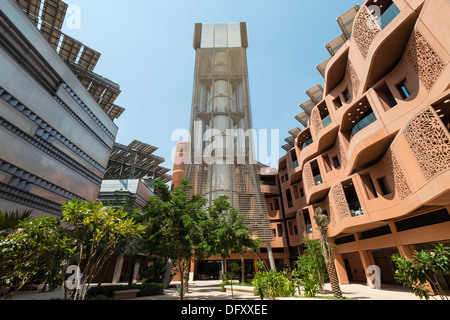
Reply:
x=369, y=186
x=390, y=98
x=294, y=159
x=352, y=199
x=384, y=186
x=337, y=103
x=316, y=173
x=307, y=220
x=336, y=162
x=403, y=89
x=346, y=95
x=367, y=119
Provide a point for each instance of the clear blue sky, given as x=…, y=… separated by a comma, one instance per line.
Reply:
x=146, y=48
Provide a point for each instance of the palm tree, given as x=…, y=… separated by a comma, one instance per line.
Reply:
x=10, y=220
x=322, y=222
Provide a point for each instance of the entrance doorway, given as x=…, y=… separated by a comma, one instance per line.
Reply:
x=208, y=270
x=383, y=259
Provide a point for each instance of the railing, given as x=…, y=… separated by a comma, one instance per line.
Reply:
x=363, y=123
x=355, y=208
x=326, y=121
x=307, y=143
x=318, y=180
x=388, y=16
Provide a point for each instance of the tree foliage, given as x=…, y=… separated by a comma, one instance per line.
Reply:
x=174, y=222
x=310, y=269
x=98, y=232
x=422, y=270
x=34, y=252
x=11, y=219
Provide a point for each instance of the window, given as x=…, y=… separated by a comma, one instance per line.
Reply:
x=383, y=186
x=404, y=92
x=296, y=195
x=316, y=173
x=390, y=98
x=307, y=220
x=369, y=186
x=294, y=159
x=346, y=95
x=291, y=231
x=302, y=193
x=307, y=143
x=277, y=204
x=280, y=230
x=336, y=162
x=389, y=15
x=326, y=121
x=337, y=103
x=289, y=199
x=295, y=229
x=327, y=164
x=271, y=206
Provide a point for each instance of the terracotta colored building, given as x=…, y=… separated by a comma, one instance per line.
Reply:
x=375, y=155
x=375, y=152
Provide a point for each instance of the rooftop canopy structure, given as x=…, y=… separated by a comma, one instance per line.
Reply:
x=48, y=16
x=136, y=161
x=316, y=93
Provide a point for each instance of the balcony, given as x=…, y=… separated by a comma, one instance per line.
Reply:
x=382, y=36
x=307, y=143
x=326, y=121
x=387, y=16
x=318, y=179
x=365, y=121
x=355, y=208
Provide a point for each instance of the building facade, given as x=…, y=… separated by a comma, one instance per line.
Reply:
x=56, y=135
x=374, y=151
x=375, y=154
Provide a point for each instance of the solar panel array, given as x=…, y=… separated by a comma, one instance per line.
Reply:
x=136, y=161
x=315, y=94
x=48, y=16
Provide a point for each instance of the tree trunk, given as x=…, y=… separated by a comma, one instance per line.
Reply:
x=185, y=278
x=168, y=276
x=331, y=268
x=222, y=264
x=181, y=268
x=242, y=268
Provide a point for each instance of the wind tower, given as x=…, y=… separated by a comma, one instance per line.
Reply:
x=220, y=160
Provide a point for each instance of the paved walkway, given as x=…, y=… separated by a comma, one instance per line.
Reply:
x=210, y=290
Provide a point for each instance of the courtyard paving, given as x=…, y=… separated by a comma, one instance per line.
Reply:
x=210, y=290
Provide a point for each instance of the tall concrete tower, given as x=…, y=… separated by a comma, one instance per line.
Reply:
x=220, y=157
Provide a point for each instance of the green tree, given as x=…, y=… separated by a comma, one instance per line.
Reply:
x=233, y=269
x=10, y=220
x=35, y=251
x=310, y=268
x=174, y=227
x=99, y=232
x=225, y=232
x=322, y=222
x=423, y=269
